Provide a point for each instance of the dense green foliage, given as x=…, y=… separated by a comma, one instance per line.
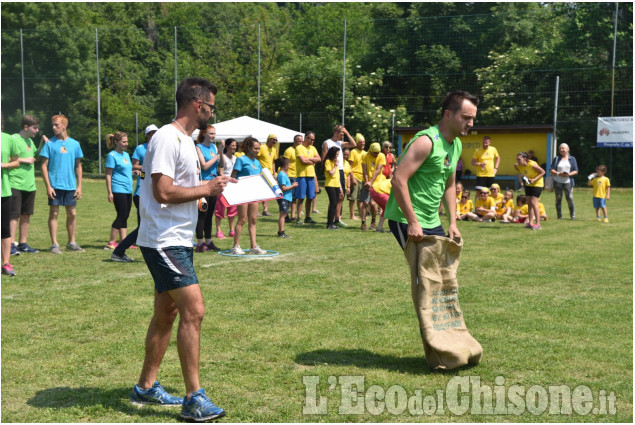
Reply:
x=400, y=59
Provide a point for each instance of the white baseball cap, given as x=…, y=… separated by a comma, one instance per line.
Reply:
x=150, y=128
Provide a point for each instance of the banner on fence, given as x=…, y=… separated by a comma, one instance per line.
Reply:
x=615, y=132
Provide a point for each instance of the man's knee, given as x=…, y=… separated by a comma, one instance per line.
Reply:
x=193, y=313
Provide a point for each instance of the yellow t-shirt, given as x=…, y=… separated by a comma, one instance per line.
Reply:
x=384, y=187
x=238, y=154
x=304, y=170
x=488, y=204
x=290, y=153
x=541, y=209
x=488, y=156
x=347, y=172
x=501, y=207
x=600, y=185
x=267, y=155
x=466, y=207
x=331, y=180
x=524, y=210
x=372, y=162
x=355, y=158
x=528, y=170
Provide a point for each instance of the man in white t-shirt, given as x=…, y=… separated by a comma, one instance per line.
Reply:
x=170, y=189
x=337, y=140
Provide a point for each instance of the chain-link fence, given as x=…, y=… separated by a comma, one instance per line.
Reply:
x=367, y=72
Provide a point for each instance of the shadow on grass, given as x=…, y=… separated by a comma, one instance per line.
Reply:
x=364, y=359
x=369, y=360
x=117, y=399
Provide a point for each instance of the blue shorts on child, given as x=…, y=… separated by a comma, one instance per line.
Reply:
x=283, y=205
x=599, y=202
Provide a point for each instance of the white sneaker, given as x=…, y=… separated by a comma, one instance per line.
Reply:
x=257, y=251
x=237, y=251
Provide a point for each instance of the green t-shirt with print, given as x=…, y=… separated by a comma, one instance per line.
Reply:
x=9, y=148
x=23, y=177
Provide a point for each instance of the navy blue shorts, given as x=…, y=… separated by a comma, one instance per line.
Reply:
x=63, y=198
x=283, y=205
x=400, y=232
x=305, y=188
x=171, y=267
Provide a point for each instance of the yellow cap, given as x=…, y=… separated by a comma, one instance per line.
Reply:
x=375, y=147
x=359, y=136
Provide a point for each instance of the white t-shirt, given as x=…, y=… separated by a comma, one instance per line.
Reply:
x=340, y=156
x=173, y=154
x=563, y=166
x=229, y=165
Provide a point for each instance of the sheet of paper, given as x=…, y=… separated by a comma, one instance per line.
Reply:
x=248, y=189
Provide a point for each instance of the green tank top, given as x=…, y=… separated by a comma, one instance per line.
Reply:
x=427, y=184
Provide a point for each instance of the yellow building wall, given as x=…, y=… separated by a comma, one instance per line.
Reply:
x=508, y=145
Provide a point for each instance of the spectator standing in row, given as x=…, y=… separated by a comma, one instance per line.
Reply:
x=293, y=175
x=355, y=159
x=208, y=157
x=11, y=152
x=601, y=191
x=486, y=160
x=267, y=155
x=62, y=174
x=337, y=140
x=23, y=188
x=372, y=167
x=119, y=253
x=563, y=167
x=118, y=184
x=247, y=165
x=284, y=182
x=229, y=159
x=332, y=185
x=306, y=157
x=386, y=149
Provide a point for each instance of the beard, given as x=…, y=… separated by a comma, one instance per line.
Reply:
x=202, y=123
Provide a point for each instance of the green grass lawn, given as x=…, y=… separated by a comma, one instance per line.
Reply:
x=551, y=308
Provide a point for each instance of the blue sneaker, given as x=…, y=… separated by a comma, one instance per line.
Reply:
x=14, y=250
x=199, y=408
x=24, y=247
x=156, y=395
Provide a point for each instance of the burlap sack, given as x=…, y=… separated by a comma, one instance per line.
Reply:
x=446, y=341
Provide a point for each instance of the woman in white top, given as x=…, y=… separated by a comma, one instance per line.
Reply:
x=227, y=165
x=563, y=168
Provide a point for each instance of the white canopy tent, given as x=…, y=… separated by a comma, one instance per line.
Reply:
x=243, y=127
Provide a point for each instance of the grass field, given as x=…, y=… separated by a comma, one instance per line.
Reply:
x=550, y=308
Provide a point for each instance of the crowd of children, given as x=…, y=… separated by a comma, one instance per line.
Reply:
x=363, y=176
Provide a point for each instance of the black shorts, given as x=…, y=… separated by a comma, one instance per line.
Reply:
x=6, y=208
x=533, y=191
x=485, y=182
x=22, y=203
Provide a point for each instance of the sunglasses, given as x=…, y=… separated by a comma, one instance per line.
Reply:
x=211, y=107
x=464, y=197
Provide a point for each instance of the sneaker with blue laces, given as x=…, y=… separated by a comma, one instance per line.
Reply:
x=199, y=408
x=157, y=396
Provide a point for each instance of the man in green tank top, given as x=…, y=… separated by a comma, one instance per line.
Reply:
x=425, y=173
